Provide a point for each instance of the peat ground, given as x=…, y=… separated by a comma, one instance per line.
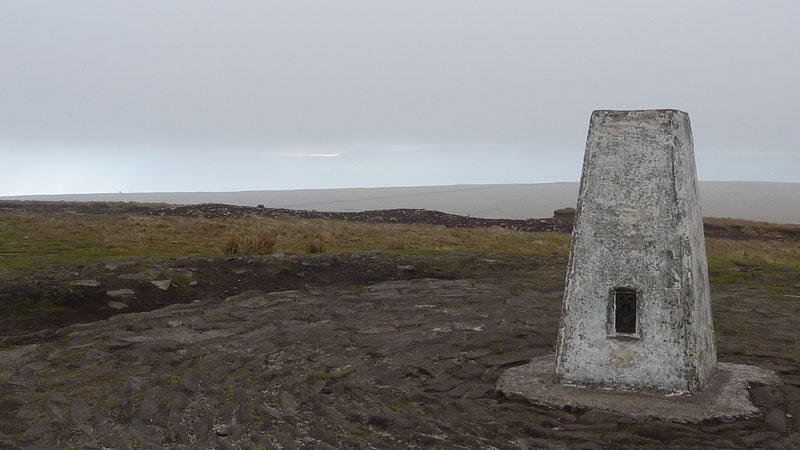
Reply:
x=375, y=350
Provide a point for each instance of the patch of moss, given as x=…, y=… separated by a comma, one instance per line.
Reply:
x=326, y=377
x=495, y=347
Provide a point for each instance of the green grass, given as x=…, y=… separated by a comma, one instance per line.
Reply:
x=777, y=278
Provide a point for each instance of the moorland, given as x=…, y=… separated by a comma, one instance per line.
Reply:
x=127, y=325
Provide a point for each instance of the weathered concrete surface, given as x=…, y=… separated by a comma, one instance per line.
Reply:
x=638, y=227
x=725, y=398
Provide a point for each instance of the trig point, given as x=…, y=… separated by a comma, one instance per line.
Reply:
x=637, y=313
x=636, y=335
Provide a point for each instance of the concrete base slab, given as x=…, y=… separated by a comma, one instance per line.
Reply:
x=725, y=398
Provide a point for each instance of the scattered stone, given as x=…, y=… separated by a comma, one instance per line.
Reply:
x=117, y=305
x=119, y=293
x=85, y=283
x=161, y=284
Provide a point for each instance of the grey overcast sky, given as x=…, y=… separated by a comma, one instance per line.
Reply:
x=201, y=95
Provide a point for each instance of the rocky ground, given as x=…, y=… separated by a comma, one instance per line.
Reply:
x=561, y=221
x=360, y=351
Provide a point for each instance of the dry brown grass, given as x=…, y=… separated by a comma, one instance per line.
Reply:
x=396, y=244
x=753, y=251
x=263, y=244
x=233, y=246
x=260, y=243
x=31, y=239
x=316, y=245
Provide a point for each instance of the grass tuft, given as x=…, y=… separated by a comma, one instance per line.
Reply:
x=259, y=244
x=263, y=244
x=233, y=246
x=396, y=244
x=316, y=245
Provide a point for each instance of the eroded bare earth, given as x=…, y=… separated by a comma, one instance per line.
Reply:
x=361, y=351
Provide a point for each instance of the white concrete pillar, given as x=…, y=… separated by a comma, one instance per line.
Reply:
x=637, y=311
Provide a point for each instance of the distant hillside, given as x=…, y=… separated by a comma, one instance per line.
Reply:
x=763, y=201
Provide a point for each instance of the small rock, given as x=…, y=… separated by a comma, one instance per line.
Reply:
x=406, y=267
x=377, y=420
x=766, y=396
x=442, y=384
x=138, y=276
x=775, y=420
x=121, y=293
x=193, y=283
x=563, y=416
x=85, y=283
x=162, y=284
x=112, y=266
x=117, y=305
x=55, y=402
x=475, y=354
x=79, y=411
x=288, y=404
x=221, y=429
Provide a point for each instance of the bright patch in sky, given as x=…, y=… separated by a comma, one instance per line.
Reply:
x=313, y=155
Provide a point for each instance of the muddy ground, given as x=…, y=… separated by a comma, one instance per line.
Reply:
x=339, y=351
